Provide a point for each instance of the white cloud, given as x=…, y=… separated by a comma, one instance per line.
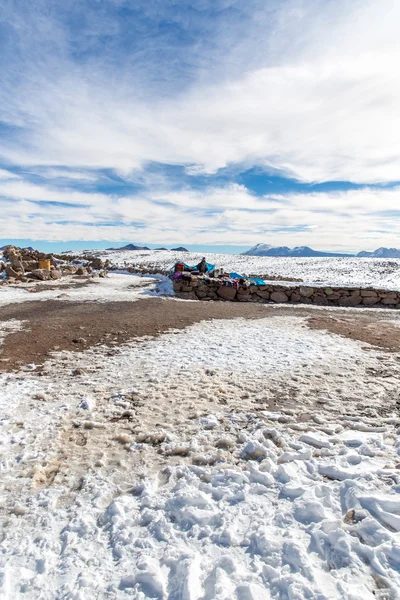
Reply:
x=306, y=88
x=322, y=105
x=227, y=215
x=5, y=175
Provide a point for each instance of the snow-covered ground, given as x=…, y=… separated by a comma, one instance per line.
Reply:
x=363, y=272
x=115, y=287
x=165, y=470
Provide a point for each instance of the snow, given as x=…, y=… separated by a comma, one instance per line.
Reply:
x=350, y=271
x=115, y=287
x=198, y=466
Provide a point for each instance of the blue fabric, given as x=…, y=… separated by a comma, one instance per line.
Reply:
x=210, y=267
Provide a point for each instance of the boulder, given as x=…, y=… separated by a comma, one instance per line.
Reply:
x=306, y=292
x=97, y=264
x=369, y=294
x=55, y=274
x=389, y=301
x=227, y=293
x=370, y=300
x=81, y=271
x=350, y=300
x=15, y=262
x=30, y=265
x=12, y=274
x=279, y=297
x=41, y=274
x=187, y=295
x=264, y=294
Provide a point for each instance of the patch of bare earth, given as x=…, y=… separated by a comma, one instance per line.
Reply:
x=54, y=325
x=370, y=329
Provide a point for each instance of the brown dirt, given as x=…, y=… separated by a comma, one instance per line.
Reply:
x=55, y=325
x=371, y=329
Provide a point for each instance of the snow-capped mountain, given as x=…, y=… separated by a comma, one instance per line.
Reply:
x=130, y=247
x=381, y=253
x=301, y=251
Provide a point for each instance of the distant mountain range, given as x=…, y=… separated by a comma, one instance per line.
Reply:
x=306, y=251
x=130, y=247
x=134, y=247
x=381, y=253
x=301, y=251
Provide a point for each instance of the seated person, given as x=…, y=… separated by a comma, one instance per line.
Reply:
x=202, y=266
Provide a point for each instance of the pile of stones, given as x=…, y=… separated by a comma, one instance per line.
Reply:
x=23, y=265
x=198, y=289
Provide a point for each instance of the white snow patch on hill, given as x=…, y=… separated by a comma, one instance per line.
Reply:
x=375, y=272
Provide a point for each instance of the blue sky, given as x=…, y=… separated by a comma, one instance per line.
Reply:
x=201, y=123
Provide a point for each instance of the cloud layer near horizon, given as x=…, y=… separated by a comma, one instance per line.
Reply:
x=307, y=89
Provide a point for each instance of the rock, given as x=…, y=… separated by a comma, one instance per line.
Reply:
x=15, y=261
x=295, y=297
x=320, y=300
x=79, y=340
x=350, y=300
x=78, y=371
x=279, y=297
x=30, y=265
x=264, y=294
x=227, y=293
x=370, y=300
x=243, y=297
x=187, y=295
x=55, y=274
x=369, y=294
x=388, y=301
x=306, y=292
x=11, y=274
x=69, y=270
x=41, y=274
x=201, y=294
x=81, y=271
x=97, y=264
x=103, y=273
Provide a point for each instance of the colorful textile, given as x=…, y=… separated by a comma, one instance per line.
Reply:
x=210, y=267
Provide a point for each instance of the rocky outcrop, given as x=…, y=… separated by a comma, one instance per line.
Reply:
x=199, y=289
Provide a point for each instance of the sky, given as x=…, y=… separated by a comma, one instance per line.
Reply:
x=203, y=123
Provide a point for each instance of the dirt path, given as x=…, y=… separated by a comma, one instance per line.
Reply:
x=55, y=325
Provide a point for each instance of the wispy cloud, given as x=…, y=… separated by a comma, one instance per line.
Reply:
x=309, y=89
x=214, y=215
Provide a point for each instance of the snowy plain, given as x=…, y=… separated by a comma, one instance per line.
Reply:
x=233, y=460
x=355, y=272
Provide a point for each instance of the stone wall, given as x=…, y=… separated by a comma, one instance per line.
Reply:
x=198, y=289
